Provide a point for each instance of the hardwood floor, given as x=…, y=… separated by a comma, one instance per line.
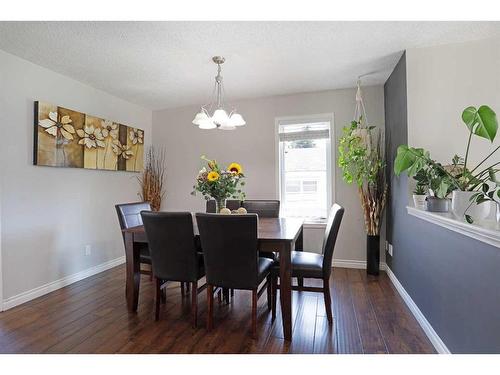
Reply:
x=91, y=317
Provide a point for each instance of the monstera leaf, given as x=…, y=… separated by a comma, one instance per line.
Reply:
x=409, y=159
x=482, y=122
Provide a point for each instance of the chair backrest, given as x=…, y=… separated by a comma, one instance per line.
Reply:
x=232, y=204
x=230, y=249
x=331, y=232
x=129, y=214
x=262, y=207
x=171, y=245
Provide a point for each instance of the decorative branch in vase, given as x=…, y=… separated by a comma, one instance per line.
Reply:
x=152, y=177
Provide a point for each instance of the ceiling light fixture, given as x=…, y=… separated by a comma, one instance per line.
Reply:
x=219, y=119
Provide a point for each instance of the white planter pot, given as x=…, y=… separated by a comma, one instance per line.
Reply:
x=419, y=201
x=460, y=201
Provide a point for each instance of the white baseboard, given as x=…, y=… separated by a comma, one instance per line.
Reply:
x=58, y=284
x=424, y=323
x=359, y=264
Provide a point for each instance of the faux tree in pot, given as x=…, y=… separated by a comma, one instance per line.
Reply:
x=362, y=163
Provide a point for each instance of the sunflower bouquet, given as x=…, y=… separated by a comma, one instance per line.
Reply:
x=214, y=182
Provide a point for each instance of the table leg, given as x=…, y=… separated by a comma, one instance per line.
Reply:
x=133, y=272
x=286, y=289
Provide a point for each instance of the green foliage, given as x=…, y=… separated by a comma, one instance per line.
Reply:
x=442, y=180
x=481, y=122
x=360, y=155
x=418, y=164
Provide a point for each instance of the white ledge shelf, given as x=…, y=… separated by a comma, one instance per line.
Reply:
x=485, y=231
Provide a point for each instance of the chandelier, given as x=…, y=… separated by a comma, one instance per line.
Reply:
x=213, y=115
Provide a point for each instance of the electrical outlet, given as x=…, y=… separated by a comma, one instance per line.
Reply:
x=390, y=250
x=88, y=250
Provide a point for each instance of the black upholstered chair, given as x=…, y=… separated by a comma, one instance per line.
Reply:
x=230, y=251
x=232, y=204
x=262, y=207
x=129, y=215
x=313, y=265
x=174, y=256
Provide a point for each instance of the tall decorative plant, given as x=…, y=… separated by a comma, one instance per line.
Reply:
x=214, y=182
x=362, y=162
x=151, y=179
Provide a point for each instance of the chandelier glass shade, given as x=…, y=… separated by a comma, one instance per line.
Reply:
x=213, y=115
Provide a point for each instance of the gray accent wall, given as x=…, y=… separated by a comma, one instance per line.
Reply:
x=453, y=279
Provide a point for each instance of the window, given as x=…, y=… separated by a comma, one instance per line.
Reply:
x=304, y=166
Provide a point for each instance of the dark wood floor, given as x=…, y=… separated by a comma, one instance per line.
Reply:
x=91, y=317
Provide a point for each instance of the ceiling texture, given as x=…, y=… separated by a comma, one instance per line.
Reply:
x=168, y=64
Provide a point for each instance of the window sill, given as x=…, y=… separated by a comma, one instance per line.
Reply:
x=486, y=231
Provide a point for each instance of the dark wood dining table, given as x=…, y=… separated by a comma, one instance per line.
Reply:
x=275, y=234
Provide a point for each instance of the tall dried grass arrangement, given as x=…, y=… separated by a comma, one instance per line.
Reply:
x=151, y=179
x=373, y=193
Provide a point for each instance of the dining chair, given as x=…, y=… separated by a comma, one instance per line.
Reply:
x=232, y=204
x=174, y=256
x=129, y=215
x=312, y=265
x=230, y=250
x=262, y=207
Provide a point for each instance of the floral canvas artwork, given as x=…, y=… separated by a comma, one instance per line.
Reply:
x=67, y=138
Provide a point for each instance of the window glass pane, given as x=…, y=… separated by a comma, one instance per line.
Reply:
x=304, y=175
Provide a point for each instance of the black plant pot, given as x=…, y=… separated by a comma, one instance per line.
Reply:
x=372, y=255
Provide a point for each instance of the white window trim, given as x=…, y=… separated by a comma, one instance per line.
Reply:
x=331, y=158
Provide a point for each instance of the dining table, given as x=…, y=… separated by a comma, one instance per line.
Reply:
x=280, y=235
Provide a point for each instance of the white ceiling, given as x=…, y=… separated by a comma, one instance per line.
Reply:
x=168, y=64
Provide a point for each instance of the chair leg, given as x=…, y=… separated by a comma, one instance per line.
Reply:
x=194, y=304
x=182, y=289
x=163, y=296
x=157, y=298
x=210, y=301
x=274, y=293
x=187, y=287
x=269, y=292
x=226, y=295
x=254, y=313
x=232, y=293
x=219, y=295
x=328, y=300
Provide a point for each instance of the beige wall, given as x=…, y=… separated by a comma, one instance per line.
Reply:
x=254, y=147
x=442, y=82
x=48, y=215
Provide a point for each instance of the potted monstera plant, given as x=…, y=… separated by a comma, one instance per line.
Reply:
x=460, y=179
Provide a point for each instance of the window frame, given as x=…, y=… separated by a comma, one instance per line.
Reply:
x=330, y=162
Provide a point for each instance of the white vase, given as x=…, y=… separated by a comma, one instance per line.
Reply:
x=419, y=201
x=460, y=203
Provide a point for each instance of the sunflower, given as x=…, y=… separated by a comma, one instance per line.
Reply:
x=213, y=176
x=235, y=168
